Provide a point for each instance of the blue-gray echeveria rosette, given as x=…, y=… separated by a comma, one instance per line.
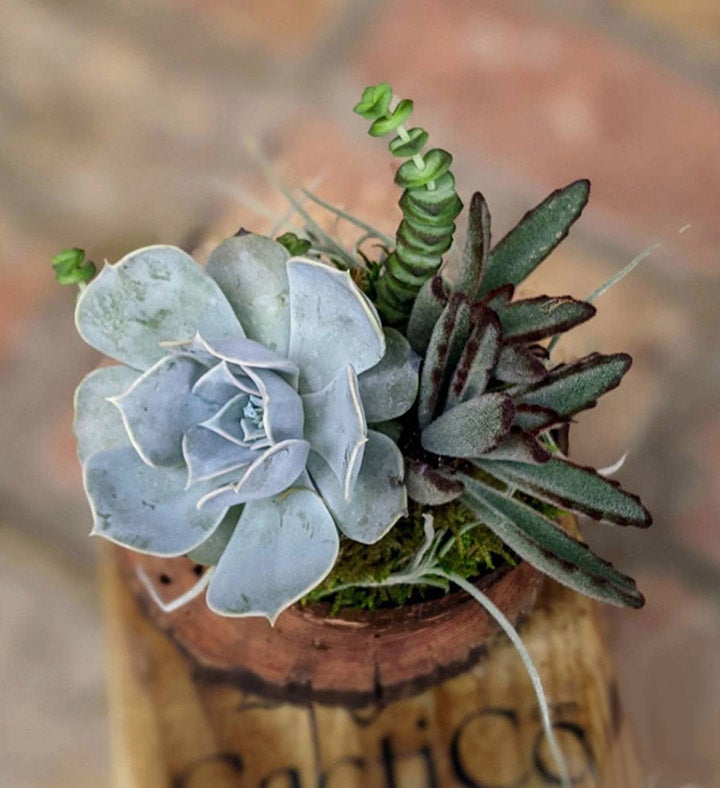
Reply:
x=235, y=427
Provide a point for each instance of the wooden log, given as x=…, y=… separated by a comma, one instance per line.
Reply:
x=175, y=723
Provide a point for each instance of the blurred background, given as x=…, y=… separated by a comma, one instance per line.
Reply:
x=124, y=123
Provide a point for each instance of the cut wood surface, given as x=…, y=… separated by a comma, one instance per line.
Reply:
x=174, y=724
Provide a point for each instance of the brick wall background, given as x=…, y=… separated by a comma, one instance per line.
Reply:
x=123, y=124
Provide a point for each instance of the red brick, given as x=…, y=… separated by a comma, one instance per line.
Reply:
x=552, y=101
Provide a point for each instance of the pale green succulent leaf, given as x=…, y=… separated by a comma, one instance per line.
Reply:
x=159, y=407
x=274, y=470
x=570, y=388
x=227, y=423
x=281, y=548
x=532, y=319
x=251, y=271
x=247, y=353
x=478, y=359
x=336, y=428
x=209, y=552
x=477, y=247
x=209, y=454
x=446, y=347
x=379, y=498
x=147, y=509
x=332, y=324
x=470, y=428
x=98, y=425
x=519, y=253
x=388, y=389
x=153, y=295
x=219, y=384
x=546, y=546
x=426, y=310
x=574, y=488
x=283, y=415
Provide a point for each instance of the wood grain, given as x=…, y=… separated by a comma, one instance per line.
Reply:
x=173, y=725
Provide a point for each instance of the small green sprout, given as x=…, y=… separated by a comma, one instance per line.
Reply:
x=71, y=267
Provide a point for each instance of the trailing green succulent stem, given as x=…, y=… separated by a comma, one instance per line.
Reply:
x=429, y=204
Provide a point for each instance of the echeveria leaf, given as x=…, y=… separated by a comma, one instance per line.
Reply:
x=251, y=271
x=147, y=509
x=272, y=472
x=573, y=487
x=160, y=406
x=98, y=425
x=537, y=318
x=153, y=295
x=426, y=310
x=283, y=415
x=570, y=388
x=218, y=385
x=332, y=324
x=477, y=247
x=281, y=549
x=428, y=486
x=379, y=498
x=520, y=252
x=336, y=428
x=517, y=364
x=389, y=388
x=209, y=454
x=546, y=546
x=470, y=428
x=443, y=354
x=478, y=358
x=209, y=552
x=227, y=422
x=248, y=353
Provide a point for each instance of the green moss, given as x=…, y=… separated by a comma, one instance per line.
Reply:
x=471, y=554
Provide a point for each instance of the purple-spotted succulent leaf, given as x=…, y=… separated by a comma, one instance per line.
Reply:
x=520, y=252
x=518, y=364
x=545, y=545
x=426, y=311
x=430, y=486
x=537, y=318
x=477, y=247
x=570, y=388
x=446, y=347
x=519, y=446
x=471, y=428
x=478, y=359
x=572, y=487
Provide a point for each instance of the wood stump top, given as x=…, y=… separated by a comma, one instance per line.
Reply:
x=355, y=659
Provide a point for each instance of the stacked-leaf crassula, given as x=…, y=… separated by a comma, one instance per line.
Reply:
x=235, y=427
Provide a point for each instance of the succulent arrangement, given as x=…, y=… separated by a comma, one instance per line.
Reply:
x=295, y=402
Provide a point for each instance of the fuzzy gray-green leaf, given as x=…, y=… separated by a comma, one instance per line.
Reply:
x=519, y=253
x=570, y=388
x=546, y=546
x=477, y=246
x=574, y=488
x=426, y=311
x=537, y=318
x=470, y=428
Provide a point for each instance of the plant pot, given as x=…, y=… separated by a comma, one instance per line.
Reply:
x=355, y=659
x=382, y=700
